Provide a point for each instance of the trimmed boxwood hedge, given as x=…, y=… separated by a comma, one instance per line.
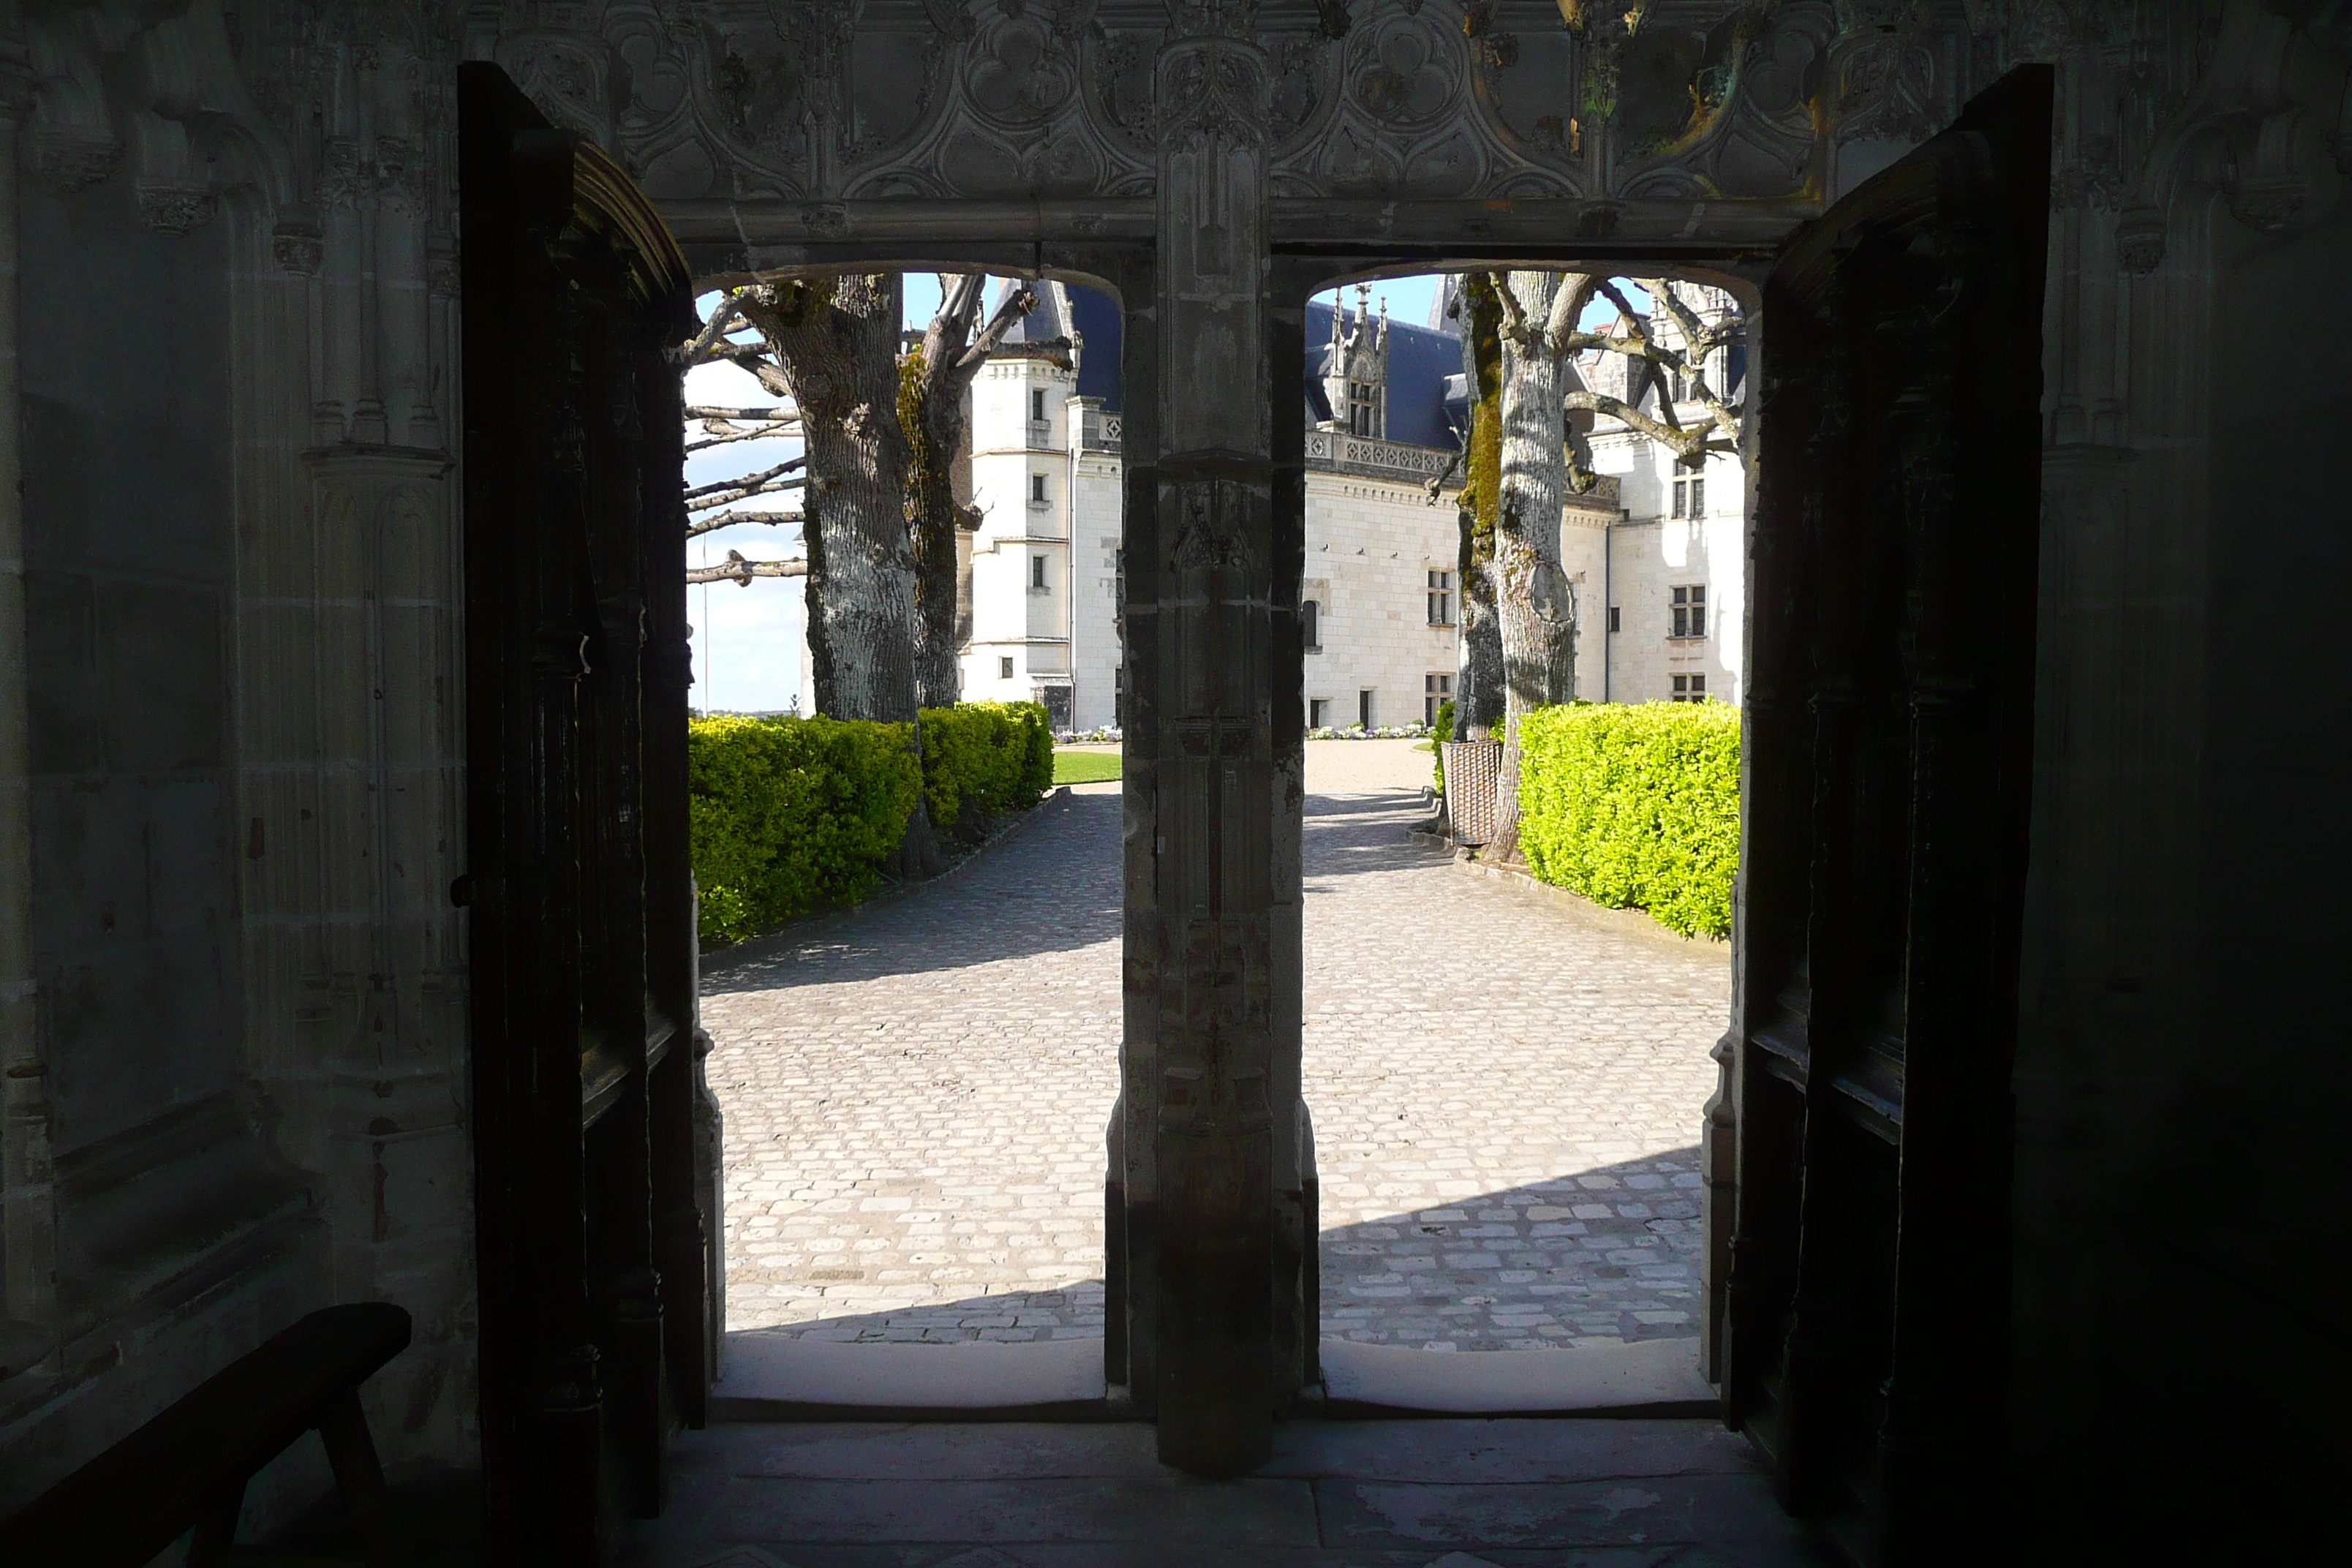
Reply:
x=984, y=759
x=1635, y=805
x=793, y=815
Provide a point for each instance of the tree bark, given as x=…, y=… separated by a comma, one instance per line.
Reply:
x=838, y=341
x=1533, y=601
x=1478, y=677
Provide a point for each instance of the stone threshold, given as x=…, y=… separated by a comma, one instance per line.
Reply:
x=792, y=932
x=770, y=1377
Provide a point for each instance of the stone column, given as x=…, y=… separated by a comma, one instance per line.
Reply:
x=1206, y=1109
x=27, y=1296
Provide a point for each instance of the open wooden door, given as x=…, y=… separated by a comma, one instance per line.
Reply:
x=1888, y=722
x=596, y=1301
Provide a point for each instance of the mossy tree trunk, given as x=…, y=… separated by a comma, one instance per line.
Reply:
x=1478, y=679
x=1534, y=604
x=932, y=381
x=838, y=341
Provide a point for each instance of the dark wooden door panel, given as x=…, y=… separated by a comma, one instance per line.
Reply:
x=1895, y=542
x=596, y=1328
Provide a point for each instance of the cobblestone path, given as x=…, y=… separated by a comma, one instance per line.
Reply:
x=915, y=1094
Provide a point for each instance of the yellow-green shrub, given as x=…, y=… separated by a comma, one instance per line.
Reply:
x=790, y=816
x=1635, y=806
x=984, y=759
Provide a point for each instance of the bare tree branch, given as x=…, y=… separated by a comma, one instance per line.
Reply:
x=779, y=413
x=1016, y=303
x=749, y=485
x=1684, y=442
x=697, y=527
x=741, y=571
x=1514, y=319
x=1567, y=309
x=700, y=348
x=723, y=436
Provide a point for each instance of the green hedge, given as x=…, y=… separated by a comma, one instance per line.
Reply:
x=1439, y=733
x=1635, y=805
x=792, y=816
x=984, y=759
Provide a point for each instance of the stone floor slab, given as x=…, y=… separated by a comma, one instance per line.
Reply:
x=1370, y=1494
x=783, y=1513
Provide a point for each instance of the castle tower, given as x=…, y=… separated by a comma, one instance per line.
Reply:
x=1356, y=369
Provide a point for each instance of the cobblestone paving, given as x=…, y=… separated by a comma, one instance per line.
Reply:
x=915, y=1094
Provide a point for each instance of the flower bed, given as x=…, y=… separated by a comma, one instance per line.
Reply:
x=1377, y=732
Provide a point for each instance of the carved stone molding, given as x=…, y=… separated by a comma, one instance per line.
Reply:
x=73, y=160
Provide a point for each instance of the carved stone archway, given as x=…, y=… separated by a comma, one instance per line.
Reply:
x=1208, y=161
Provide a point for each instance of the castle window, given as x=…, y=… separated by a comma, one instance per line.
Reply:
x=1436, y=688
x=1689, y=608
x=1004, y=668
x=1037, y=571
x=1689, y=688
x=1310, y=625
x=1037, y=491
x=1318, y=712
x=1364, y=409
x=1441, y=599
x=1037, y=405
x=1690, y=488
x=1364, y=710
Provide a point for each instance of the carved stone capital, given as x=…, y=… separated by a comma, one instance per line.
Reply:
x=2140, y=240
x=170, y=207
x=299, y=250
x=2269, y=205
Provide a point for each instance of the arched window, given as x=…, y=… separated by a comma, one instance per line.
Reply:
x=1310, y=628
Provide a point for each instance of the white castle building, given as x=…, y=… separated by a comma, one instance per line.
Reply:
x=1655, y=553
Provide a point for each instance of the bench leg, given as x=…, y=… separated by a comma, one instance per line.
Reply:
x=351, y=1452
x=216, y=1531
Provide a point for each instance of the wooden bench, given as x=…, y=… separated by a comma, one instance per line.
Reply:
x=188, y=1467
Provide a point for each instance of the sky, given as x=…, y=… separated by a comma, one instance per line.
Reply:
x=747, y=640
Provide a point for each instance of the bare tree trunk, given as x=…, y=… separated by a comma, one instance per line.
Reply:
x=931, y=385
x=1532, y=597
x=1479, y=679
x=837, y=339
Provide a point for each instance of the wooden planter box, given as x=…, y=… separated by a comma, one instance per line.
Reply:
x=1471, y=767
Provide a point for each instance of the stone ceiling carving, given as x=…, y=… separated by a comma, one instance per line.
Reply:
x=817, y=105
x=842, y=101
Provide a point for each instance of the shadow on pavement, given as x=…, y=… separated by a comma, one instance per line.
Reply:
x=1607, y=1254
x=1054, y=889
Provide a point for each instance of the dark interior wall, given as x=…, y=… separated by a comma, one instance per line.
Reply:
x=128, y=546
x=176, y=1241
x=2177, y=1337
x=2255, y=1128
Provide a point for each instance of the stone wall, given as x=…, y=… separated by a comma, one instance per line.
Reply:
x=245, y=1020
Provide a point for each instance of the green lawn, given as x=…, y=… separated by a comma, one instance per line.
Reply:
x=1085, y=767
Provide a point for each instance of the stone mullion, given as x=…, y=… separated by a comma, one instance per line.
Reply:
x=1212, y=1125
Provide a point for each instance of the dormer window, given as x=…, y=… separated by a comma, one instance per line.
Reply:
x=1364, y=410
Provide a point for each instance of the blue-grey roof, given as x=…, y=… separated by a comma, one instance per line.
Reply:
x=1424, y=399
x=1419, y=361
